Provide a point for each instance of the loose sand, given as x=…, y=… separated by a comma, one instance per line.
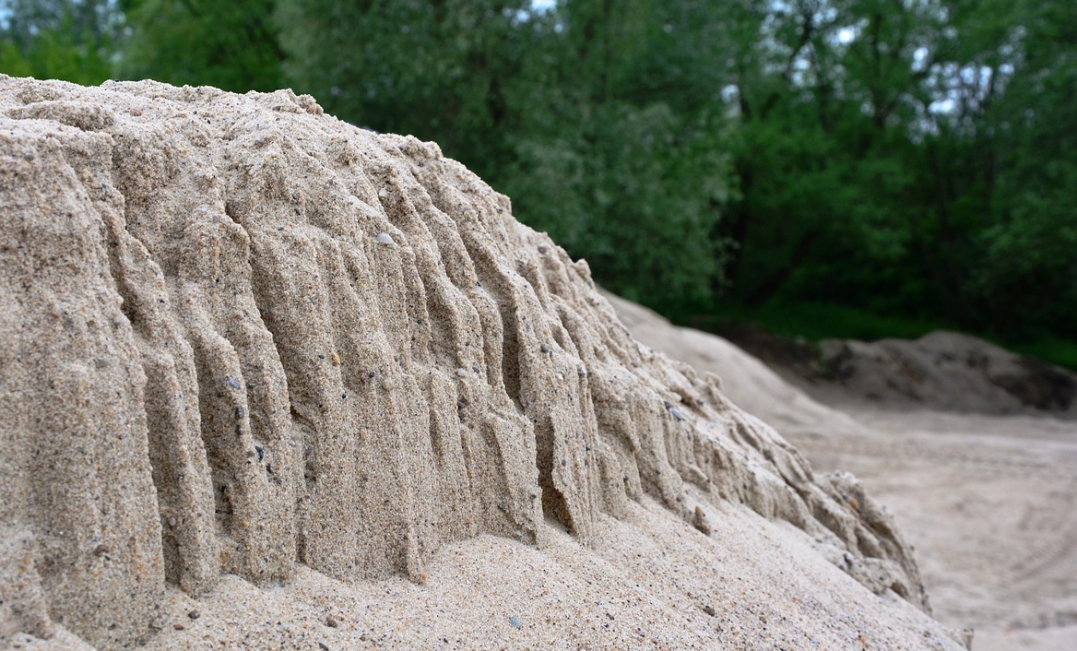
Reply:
x=271, y=381
x=989, y=501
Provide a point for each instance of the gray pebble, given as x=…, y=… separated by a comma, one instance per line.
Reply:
x=515, y=622
x=384, y=238
x=673, y=410
x=233, y=383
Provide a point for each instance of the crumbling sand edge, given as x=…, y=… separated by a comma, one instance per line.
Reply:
x=240, y=334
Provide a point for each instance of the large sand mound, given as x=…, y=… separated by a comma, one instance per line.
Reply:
x=256, y=360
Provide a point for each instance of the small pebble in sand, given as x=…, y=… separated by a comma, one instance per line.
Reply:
x=194, y=614
x=544, y=348
x=331, y=622
x=461, y=372
x=384, y=238
x=515, y=622
x=233, y=383
x=100, y=550
x=700, y=522
x=673, y=411
x=542, y=249
x=178, y=627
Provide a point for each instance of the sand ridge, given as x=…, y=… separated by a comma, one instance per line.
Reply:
x=246, y=341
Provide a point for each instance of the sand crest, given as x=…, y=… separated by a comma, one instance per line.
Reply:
x=268, y=379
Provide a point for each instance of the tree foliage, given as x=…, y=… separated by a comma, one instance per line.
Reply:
x=231, y=45
x=59, y=39
x=911, y=158
x=908, y=158
x=566, y=110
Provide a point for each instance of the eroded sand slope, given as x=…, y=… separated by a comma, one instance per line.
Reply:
x=249, y=348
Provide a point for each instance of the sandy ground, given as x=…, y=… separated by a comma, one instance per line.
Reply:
x=990, y=505
x=988, y=502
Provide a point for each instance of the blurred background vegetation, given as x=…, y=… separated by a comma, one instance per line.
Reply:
x=860, y=168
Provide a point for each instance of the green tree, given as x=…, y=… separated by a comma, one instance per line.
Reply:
x=634, y=121
x=914, y=158
x=1029, y=286
x=597, y=118
x=59, y=39
x=826, y=100
x=231, y=45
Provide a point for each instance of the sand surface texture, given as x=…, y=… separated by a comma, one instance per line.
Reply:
x=988, y=498
x=271, y=381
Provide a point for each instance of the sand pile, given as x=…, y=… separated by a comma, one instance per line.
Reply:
x=256, y=360
x=941, y=371
x=949, y=371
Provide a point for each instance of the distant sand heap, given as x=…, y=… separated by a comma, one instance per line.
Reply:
x=240, y=336
x=948, y=370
